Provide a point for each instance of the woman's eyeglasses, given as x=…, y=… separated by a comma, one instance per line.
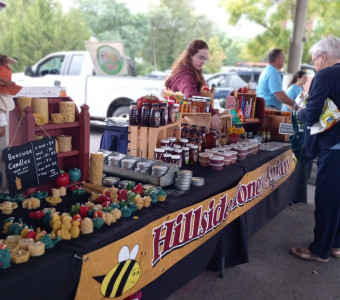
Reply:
x=202, y=58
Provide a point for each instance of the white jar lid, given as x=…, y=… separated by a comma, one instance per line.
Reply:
x=216, y=158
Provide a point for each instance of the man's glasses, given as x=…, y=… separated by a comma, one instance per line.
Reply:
x=313, y=60
x=202, y=58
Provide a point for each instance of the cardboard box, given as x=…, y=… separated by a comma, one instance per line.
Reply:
x=272, y=122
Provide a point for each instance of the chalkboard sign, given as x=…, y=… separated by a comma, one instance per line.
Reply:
x=31, y=164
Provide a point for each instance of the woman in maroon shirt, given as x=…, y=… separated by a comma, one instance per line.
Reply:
x=187, y=75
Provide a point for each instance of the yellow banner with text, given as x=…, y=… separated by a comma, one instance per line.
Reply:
x=127, y=265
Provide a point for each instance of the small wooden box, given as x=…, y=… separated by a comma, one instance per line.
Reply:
x=226, y=122
x=273, y=122
x=199, y=119
x=144, y=140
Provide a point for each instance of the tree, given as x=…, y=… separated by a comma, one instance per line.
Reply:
x=110, y=20
x=172, y=26
x=277, y=18
x=30, y=29
x=232, y=49
x=216, y=56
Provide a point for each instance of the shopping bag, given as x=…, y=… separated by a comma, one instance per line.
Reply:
x=297, y=141
x=329, y=116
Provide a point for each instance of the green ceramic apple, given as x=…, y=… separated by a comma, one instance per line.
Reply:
x=75, y=174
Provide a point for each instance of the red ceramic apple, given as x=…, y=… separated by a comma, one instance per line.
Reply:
x=63, y=179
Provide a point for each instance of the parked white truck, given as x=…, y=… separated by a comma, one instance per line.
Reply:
x=78, y=71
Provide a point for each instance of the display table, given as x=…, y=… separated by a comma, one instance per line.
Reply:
x=56, y=274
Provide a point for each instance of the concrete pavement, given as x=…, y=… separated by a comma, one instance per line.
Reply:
x=273, y=273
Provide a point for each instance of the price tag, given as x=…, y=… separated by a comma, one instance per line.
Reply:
x=286, y=128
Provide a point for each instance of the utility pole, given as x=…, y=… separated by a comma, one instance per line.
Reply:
x=296, y=45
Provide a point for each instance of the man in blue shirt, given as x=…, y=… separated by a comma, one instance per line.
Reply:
x=270, y=82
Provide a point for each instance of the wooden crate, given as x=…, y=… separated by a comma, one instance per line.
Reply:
x=226, y=122
x=273, y=122
x=135, y=146
x=144, y=140
x=199, y=119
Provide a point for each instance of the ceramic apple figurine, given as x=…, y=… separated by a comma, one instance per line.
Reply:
x=63, y=179
x=75, y=174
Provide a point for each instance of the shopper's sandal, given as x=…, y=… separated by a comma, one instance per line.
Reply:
x=305, y=254
x=335, y=252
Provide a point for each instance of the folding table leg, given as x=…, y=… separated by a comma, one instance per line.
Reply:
x=222, y=267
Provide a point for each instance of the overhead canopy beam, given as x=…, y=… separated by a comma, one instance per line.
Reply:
x=296, y=45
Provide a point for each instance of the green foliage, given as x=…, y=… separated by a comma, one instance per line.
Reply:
x=172, y=26
x=31, y=29
x=216, y=56
x=232, y=49
x=272, y=17
x=276, y=20
x=110, y=20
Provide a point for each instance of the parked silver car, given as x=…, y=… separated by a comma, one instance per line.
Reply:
x=233, y=79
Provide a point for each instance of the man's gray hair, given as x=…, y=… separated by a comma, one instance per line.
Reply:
x=329, y=45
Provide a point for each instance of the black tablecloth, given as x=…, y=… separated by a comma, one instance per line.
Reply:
x=55, y=275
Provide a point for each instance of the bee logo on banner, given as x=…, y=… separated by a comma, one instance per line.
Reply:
x=123, y=276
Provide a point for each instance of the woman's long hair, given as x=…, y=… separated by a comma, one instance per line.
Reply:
x=183, y=62
x=296, y=76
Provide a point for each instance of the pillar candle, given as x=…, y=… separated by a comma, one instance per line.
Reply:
x=96, y=168
x=67, y=109
x=23, y=102
x=40, y=106
x=62, y=191
x=56, y=193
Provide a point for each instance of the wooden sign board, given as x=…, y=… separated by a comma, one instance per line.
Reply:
x=31, y=164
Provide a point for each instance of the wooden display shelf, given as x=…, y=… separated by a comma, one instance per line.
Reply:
x=199, y=119
x=22, y=129
x=144, y=140
x=255, y=123
x=69, y=153
x=252, y=120
x=51, y=126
